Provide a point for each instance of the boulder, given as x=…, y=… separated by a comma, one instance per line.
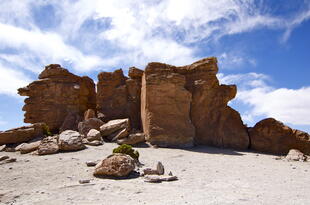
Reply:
x=132, y=139
x=70, y=140
x=48, y=145
x=121, y=134
x=56, y=94
x=93, y=134
x=86, y=125
x=296, y=155
x=113, y=126
x=272, y=136
x=22, y=134
x=29, y=147
x=116, y=165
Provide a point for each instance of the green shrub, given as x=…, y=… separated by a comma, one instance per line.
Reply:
x=46, y=130
x=127, y=149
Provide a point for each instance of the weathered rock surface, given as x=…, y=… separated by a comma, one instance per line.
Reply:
x=114, y=126
x=119, y=97
x=48, y=145
x=117, y=165
x=29, y=147
x=272, y=136
x=70, y=140
x=93, y=134
x=183, y=105
x=22, y=134
x=71, y=122
x=56, y=94
x=296, y=155
x=87, y=125
x=132, y=139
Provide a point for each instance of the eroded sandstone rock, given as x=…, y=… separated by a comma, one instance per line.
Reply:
x=91, y=123
x=48, y=145
x=184, y=105
x=70, y=140
x=272, y=136
x=22, y=134
x=56, y=94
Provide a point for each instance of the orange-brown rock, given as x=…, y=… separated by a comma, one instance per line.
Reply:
x=272, y=136
x=182, y=105
x=119, y=97
x=57, y=94
x=22, y=134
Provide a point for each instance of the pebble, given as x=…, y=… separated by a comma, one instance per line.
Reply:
x=91, y=163
x=84, y=181
x=4, y=157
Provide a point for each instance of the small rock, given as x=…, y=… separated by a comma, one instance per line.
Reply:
x=296, y=155
x=91, y=163
x=29, y=147
x=170, y=173
x=93, y=134
x=158, y=179
x=150, y=171
x=84, y=181
x=4, y=157
x=160, y=168
x=95, y=143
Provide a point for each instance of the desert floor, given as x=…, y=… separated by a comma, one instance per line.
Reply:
x=206, y=176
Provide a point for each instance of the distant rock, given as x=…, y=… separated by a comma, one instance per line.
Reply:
x=116, y=165
x=272, y=136
x=70, y=140
x=22, y=134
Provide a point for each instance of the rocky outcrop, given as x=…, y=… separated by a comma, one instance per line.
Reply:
x=272, y=136
x=184, y=105
x=117, y=165
x=22, y=134
x=57, y=94
x=119, y=97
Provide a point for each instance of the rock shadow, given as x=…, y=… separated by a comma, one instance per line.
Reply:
x=215, y=150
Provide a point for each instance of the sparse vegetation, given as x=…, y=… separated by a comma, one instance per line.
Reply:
x=127, y=149
x=46, y=130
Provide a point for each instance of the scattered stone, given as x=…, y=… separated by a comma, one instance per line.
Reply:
x=296, y=155
x=113, y=126
x=4, y=157
x=170, y=173
x=48, y=145
x=2, y=148
x=8, y=160
x=91, y=123
x=160, y=168
x=22, y=134
x=117, y=165
x=158, y=179
x=132, y=139
x=91, y=163
x=29, y=147
x=70, y=140
x=121, y=134
x=93, y=134
x=84, y=181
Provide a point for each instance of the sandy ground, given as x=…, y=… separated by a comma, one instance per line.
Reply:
x=206, y=176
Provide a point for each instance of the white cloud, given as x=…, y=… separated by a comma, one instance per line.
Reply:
x=11, y=80
x=287, y=105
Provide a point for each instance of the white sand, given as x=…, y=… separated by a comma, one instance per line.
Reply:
x=206, y=176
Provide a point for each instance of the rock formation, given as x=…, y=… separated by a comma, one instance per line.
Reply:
x=184, y=105
x=272, y=136
x=55, y=95
x=118, y=97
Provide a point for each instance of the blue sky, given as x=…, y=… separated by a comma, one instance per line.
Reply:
x=262, y=46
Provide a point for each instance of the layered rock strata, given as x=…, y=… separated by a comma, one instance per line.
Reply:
x=56, y=95
x=182, y=106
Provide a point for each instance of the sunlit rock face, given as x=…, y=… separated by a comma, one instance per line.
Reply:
x=183, y=106
x=55, y=95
